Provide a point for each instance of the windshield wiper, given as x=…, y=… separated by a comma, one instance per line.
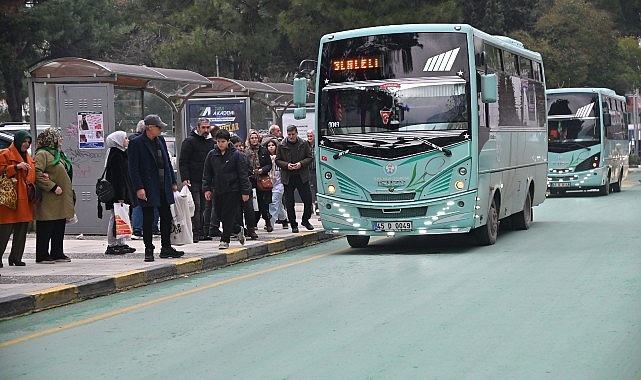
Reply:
x=427, y=142
x=574, y=144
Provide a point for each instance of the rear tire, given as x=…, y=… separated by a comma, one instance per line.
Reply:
x=486, y=235
x=605, y=189
x=357, y=241
x=523, y=220
x=616, y=187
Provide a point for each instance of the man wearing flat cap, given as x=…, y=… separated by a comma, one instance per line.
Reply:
x=155, y=182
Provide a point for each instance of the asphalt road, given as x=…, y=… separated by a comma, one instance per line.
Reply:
x=560, y=301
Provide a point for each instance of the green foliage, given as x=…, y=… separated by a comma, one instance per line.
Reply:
x=634, y=159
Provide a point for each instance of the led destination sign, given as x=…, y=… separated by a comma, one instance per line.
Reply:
x=355, y=64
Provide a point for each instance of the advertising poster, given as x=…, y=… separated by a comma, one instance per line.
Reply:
x=229, y=114
x=91, y=134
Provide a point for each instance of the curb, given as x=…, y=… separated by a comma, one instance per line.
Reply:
x=22, y=304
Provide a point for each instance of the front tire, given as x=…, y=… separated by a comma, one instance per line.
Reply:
x=357, y=241
x=486, y=235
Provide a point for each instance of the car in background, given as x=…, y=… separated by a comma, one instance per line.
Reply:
x=5, y=140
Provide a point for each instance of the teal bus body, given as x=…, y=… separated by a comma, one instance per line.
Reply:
x=587, y=140
x=428, y=129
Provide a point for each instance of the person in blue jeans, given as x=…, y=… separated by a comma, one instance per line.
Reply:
x=136, y=221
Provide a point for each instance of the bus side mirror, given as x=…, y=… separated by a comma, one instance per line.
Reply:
x=489, y=88
x=300, y=113
x=300, y=92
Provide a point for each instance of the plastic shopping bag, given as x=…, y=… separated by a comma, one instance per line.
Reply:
x=186, y=193
x=255, y=200
x=123, y=223
x=181, y=232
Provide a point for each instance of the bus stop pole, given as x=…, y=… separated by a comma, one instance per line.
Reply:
x=635, y=118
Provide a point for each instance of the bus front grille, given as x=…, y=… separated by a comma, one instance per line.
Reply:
x=412, y=212
x=393, y=197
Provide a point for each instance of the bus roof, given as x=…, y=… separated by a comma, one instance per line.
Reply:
x=503, y=42
x=592, y=90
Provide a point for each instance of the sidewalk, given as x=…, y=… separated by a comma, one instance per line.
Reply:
x=91, y=273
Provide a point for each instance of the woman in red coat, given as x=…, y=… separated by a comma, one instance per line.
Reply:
x=18, y=164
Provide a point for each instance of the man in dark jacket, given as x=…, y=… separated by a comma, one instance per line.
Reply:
x=191, y=163
x=225, y=180
x=155, y=182
x=294, y=157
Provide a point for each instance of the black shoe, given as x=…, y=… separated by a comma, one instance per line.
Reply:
x=252, y=234
x=195, y=239
x=307, y=225
x=125, y=248
x=61, y=259
x=114, y=250
x=295, y=229
x=149, y=255
x=17, y=263
x=167, y=252
x=215, y=232
x=278, y=221
x=285, y=224
x=206, y=238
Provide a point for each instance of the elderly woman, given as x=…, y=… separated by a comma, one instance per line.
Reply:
x=117, y=173
x=16, y=162
x=53, y=176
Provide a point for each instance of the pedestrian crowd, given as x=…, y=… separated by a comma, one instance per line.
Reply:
x=233, y=184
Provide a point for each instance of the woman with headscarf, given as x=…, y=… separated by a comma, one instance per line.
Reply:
x=261, y=164
x=17, y=163
x=117, y=173
x=53, y=176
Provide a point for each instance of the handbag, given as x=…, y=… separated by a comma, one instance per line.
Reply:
x=34, y=193
x=264, y=182
x=8, y=194
x=104, y=189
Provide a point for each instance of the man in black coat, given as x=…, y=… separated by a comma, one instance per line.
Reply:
x=191, y=162
x=155, y=182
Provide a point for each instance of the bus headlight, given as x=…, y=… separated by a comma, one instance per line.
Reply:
x=460, y=185
x=331, y=189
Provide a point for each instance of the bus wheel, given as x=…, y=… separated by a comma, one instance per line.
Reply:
x=486, y=235
x=523, y=220
x=605, y=189
x=616, y=187
x=357, y=241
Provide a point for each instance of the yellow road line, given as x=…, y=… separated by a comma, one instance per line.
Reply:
x=159, y=300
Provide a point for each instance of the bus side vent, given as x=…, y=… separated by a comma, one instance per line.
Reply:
x=412, y=212
x=393, y=197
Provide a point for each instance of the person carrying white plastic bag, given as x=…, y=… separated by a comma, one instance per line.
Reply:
x=182, y=211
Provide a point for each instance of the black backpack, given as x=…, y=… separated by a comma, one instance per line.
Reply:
x=104, y=191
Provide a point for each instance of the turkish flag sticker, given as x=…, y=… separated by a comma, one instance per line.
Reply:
x=385, y=116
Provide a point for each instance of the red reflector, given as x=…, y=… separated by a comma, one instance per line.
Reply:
x=323, y=158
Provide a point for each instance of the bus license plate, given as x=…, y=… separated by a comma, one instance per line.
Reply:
x=392, y=226
x=559, y=184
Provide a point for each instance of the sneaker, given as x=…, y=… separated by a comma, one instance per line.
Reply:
x=167, y=252
x=241, y=236
x=126, y=249
x=114, y=250
x=62, y=259
x=137, y=235
x=223, y=245
x=307, y=225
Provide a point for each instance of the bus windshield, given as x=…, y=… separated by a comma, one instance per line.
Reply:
x=572, y=118
x=417, y=104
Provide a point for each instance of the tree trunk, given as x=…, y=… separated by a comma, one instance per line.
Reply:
x=14, y=87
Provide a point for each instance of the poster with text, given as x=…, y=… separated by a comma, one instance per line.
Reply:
x=91, y=133
x=230, y=114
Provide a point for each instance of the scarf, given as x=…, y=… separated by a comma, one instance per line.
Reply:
x=115, y=140
x=18, y=139
x=48, y=140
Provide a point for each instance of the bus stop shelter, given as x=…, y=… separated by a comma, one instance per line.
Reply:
x=90, y=99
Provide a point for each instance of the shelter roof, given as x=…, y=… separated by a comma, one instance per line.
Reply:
x=275, y=94
x=173, y=84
